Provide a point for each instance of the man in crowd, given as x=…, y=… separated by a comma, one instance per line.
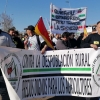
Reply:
x=93, y=40
x=79, y=40
x=63, y=43
x=5, y=40
x=56, y=37
x=18, y=42
x=72, y=40
x=34, y=41
x=14, y=35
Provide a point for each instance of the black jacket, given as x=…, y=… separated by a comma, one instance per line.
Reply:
x=19, y=44
x=79, y=40
x=73, y=43
x=91, y=39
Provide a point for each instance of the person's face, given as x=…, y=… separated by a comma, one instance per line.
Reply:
x=65, y=38
x=29, y=32
x=26, y=37
x=57, y=36
x=72, y=36
x=98, y=28
x=11, y=32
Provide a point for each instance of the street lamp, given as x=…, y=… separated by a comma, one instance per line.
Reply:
x=68, y=3
x=6, y=6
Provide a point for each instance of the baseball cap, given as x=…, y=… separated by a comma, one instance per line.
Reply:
x=30, y=27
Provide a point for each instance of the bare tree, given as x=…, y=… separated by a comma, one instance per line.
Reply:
x=6, y=22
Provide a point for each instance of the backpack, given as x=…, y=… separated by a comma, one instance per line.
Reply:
x=41, y=45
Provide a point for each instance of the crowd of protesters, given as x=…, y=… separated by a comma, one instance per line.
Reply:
x=31, y=41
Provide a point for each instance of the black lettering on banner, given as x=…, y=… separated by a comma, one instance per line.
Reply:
x=67, y=17
x=49, y=60
x=90, y=92
x=82, y=59
x=25, y=61
x=36, y=87
x=48, y=64
x=85, y=86
x=64, y=28
x=66, y=60
x=43, y=61
x=77, y=86
x=57, y=60
x=61, y=85
x=53, y=61
x=71, y=82
x=70, y=86
x=49, y=86
x=38, y=61
x=63, y=91
x=33, y=85
x=26, y=88
x=56, y=27
x=53, y=86
x=30, y=88
x=28, y=61
x=60, y=12
x=73, y=23
x=31, y=61
x=55, y=11
x=67, y=86
x=44, y=87
x=56, y=85
x=73, y=86
x=46, y=61
x=75, y=82
x=60, y=22
x=82, y=85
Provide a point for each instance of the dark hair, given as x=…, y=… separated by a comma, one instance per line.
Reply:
x=11, y=29
x=30, y=27
x=25, y=34
x=71, y=34
x=16, y=32
x=65, y=34
x=98, y=22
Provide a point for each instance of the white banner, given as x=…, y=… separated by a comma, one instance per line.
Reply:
x=56, y=73
x=67, y=19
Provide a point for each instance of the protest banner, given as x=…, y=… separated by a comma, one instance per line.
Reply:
x=67, y=19
x=56, y=73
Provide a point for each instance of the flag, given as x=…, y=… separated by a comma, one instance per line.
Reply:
x=85, y=32
x=41, y=30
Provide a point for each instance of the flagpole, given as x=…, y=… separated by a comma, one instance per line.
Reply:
x=51, y=7
x=6, y=6
x=47, y=23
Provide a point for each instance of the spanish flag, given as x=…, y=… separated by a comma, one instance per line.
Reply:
x=41, y=30
x=85, y=32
